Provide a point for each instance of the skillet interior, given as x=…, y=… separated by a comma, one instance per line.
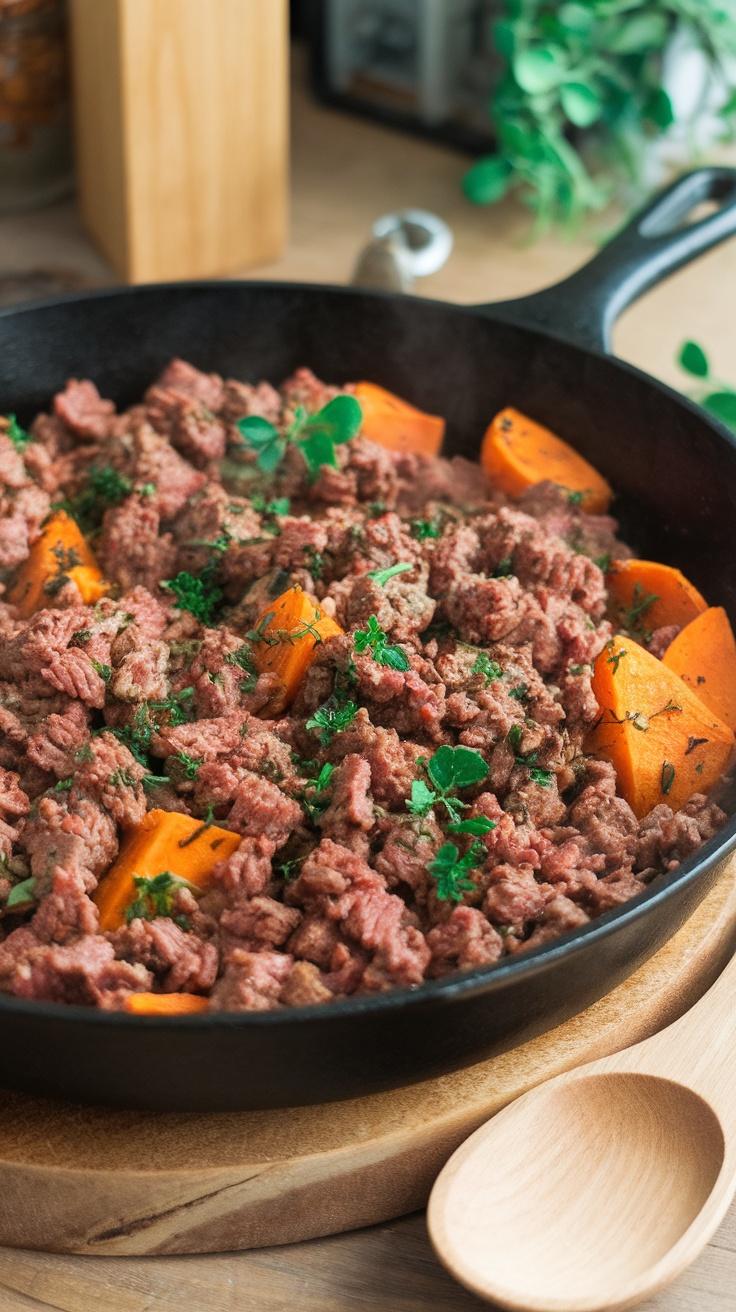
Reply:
x=675, y=473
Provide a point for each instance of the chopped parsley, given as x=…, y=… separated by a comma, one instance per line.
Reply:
x=489, y=669
x=503, y=569
x=104, y=671
x=515, y=735
x=155, y=896
x=277, y=506
x=374, y=639
x=190, y=764
x=330, y=720
x=667, y=777
x=18, y=436
x=245, y=661
x=150, y=781
x=541, y=776
x=615, y=658
x=424, y=528
x=575, y=498
x=382, y=576
x=79, y=638
x=313, y=797
x=200, y=596
x=105, y=487
x=450, y=871
x=632, y=616
x=520, y=693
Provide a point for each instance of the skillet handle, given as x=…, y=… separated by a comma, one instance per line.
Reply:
x=584, y=307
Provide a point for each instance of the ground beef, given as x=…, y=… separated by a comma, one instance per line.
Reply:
x=469, y=621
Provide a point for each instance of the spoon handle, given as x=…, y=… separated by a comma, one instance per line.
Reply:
x=698, y=1050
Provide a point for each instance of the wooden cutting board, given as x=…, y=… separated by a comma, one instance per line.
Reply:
x=91, y=1180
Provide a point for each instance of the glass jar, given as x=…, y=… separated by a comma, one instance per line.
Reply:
x=35, y=127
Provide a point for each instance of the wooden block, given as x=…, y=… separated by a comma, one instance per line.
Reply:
x=181, y=132
x=91, y=1180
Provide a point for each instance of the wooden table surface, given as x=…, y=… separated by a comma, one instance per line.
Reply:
x=345, y=174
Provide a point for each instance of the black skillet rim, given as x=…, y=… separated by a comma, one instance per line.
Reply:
x=447, y=988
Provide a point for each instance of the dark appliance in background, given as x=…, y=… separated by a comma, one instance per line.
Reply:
x=424, y=66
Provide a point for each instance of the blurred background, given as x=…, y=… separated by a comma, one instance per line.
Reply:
x=143, y=140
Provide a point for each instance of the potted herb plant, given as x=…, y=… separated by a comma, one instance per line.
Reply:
x=598, y=97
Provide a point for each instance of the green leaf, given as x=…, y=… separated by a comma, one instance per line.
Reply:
x=576, y=18
x=340, y=419
x=487, y=181
x=693, y=360
x=257, y=432
x=382, y=576
x=450, y=871
x=318, y=449
x=423, y=798
x=271, y=456
x=538, y=69
x=478, y=825
x=658, y=108
x=456, y=767
x=504, y=37
x=580, y=104
x=723, y=406
x=645, y=31
x=21, y=893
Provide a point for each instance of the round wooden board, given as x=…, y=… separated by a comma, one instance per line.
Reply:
x=91, y=1180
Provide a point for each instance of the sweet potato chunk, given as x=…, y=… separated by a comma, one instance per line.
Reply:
x=60, y=553
x=647, y=595
x=164, y=841
x=395, y=424
x=663, y=741
x=166, y=1004
x=704, y=656
x=517, y=453
x=289, y=630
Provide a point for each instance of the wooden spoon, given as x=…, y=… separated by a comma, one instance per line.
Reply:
x=595, y=1189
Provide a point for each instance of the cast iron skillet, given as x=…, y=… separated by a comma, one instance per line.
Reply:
x=675, y=474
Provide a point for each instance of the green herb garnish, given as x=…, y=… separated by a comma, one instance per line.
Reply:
x=313, y=797
x=245, y=660
x=155, y=896
x=21, y=893
x=200, y=596
x=541, y=776
x=449, y=769
x=104, y=671
x=424, y=528
x=374, y=639
x=330, y=720
x=489, y=669
x=450, y=871
x=316, y=436
x=615, y=657
x=19, y=437
x=667, y=777
x=190, y=764
x=382, y=576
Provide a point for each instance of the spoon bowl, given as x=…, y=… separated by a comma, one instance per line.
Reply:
x=595, y=1189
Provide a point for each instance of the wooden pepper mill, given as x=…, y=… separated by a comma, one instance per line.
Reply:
x=181, y=133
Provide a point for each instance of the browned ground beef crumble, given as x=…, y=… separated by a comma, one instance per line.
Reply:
x=312, y=906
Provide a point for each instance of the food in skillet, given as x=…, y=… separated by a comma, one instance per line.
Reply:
x=291, y=708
